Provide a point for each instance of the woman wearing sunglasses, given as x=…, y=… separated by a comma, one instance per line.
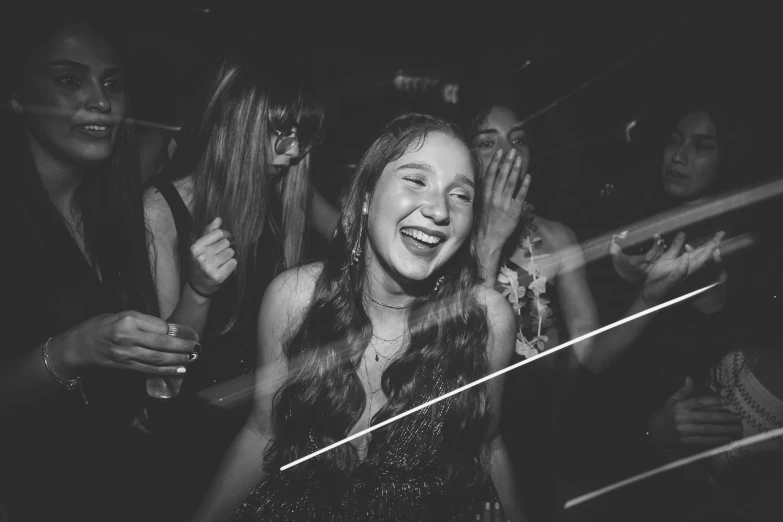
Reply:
x=226, y=215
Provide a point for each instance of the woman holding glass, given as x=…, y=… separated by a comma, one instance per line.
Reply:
x=77, y=346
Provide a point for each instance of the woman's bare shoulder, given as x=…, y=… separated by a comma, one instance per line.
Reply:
x=557, y=234
x=293, y=289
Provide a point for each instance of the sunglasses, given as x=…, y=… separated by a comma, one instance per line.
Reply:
x=285, y=141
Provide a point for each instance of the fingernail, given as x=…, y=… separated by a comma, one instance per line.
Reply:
x=181, y=369
x=497, y=505
x=478, y=517
x=197, y=347
x=512, y=153
x=487, y=507
x=498, y=153
x=518, y=162
x=192, y=357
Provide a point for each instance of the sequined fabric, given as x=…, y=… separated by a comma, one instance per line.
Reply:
x=403, y=483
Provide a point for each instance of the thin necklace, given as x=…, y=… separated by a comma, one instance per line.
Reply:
x=393, y=307
x=377, y=353
x=388, y=340
x=369, y=385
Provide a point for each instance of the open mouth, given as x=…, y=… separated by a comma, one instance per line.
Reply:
x=95, y=131
x=421, y=238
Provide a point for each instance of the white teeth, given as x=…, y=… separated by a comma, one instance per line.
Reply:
x=95, y=127
x=421, y=236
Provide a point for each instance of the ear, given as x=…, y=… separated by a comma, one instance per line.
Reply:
x=15, y=105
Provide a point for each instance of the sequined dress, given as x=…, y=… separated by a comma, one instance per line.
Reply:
x=403, y=481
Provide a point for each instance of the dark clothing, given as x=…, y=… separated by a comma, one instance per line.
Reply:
x=194, y=432
x=64, y=459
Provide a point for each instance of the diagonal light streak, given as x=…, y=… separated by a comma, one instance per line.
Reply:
x=497, y=374
x=45, y=110
x=616, y=66
x=676, y=464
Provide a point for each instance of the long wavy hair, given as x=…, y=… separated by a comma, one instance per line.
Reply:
x=108, y=201
x=224, y=149
x=324, y=398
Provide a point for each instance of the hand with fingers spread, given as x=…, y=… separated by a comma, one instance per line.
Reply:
x=695, y=421
x=503, y=203
x=673, y=266
x=633, y=268
x=125, y=341
x=212, y=259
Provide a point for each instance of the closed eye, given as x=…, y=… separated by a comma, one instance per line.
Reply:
x=463, y=196
x=417, y=181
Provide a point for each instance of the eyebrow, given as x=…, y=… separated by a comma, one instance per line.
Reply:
x=417, y=166
x=487, y=131
x=77, y=65
x=702, y=136
x=461, y=178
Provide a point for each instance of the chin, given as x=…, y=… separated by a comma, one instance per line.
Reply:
x=93, y=155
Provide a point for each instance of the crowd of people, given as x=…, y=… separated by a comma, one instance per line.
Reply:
x=436, y=271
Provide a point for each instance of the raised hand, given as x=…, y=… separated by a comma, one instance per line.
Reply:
x=503, y=203
x=212, y=259
x=127, y=341
x=674, y=266
x=699, y=421
x=633, y=268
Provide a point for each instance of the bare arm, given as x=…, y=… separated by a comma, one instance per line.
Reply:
x=666, y=273
x=213, y=262
x=177, y=306
x=25, y=381
x=122, y=341
x=576, y=299
x=242, y=468
x=502, y=341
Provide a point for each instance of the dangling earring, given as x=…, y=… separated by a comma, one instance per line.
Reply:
x=438, y=283
x=356, y=253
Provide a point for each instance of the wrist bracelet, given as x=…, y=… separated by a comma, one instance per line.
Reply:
x=197, y=292
x=68, y=384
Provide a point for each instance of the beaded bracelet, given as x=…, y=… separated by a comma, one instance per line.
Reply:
x=68, y=384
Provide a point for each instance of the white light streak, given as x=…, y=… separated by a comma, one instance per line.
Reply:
x=498, y=373
x=676, y=464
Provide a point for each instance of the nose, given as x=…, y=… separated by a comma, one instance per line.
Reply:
x=436, y=209
x=97, y=100
x=293, y=152
x=681, y=154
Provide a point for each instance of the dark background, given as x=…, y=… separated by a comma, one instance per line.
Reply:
x=635, y=52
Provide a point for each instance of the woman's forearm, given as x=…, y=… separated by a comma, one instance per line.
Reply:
x=611, y=344
x=489, y=261
x=502, y=474
x=240, y=472
x=26, y=382
x=191, y=310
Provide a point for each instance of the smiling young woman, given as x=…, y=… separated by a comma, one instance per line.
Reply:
x=395, y=316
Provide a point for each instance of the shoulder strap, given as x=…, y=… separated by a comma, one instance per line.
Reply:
x=182, y=218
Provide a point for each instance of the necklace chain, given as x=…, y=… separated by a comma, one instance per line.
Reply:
x=393, y=307
x=372, y=392
x=389, y=340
